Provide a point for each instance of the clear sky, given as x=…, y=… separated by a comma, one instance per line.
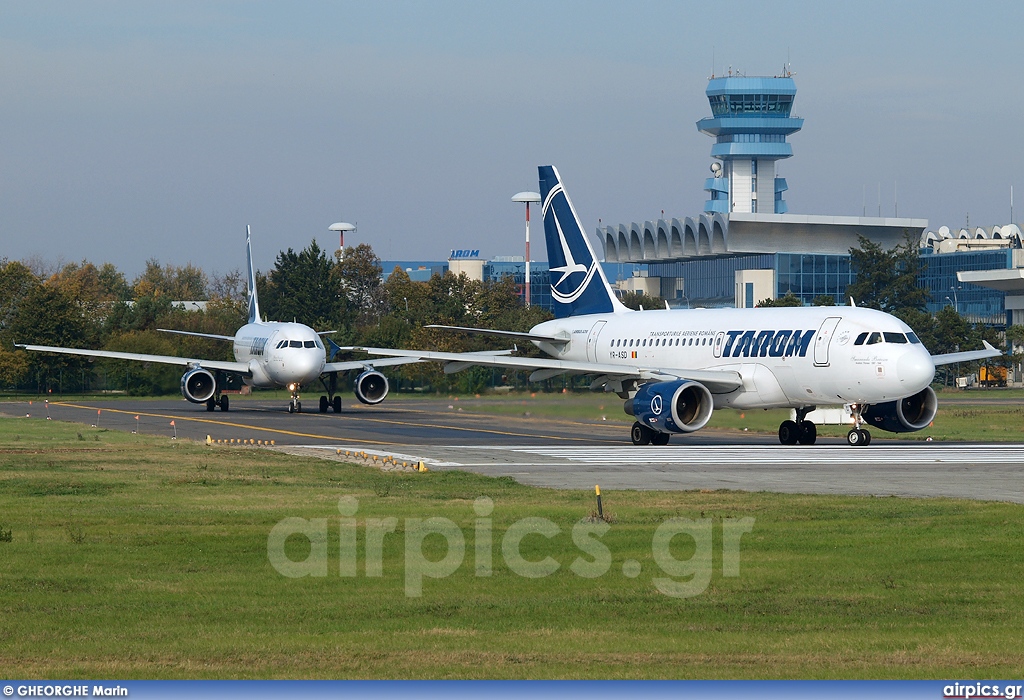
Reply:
x=136, y=130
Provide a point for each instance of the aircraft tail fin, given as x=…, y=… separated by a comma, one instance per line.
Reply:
x=578, y=284
x=254, y=303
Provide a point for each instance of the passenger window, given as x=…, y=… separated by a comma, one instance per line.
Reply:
x=861, y=338
x=895, y=338
x=295, y=343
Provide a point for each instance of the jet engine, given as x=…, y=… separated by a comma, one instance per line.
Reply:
x=906, y=415
x=371, y=387
x=672, y=407
x=198, y=385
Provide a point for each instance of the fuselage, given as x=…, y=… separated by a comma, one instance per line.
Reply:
x=786, y=356
x=279, y=354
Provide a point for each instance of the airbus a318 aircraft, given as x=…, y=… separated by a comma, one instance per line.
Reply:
x=675, y=367
x=267, y=355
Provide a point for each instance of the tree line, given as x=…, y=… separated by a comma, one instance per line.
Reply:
x=82, y=305
x=95, y=307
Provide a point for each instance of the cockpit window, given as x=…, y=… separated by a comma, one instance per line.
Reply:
x=861, y=338
x=912, y=337
x=295, y=343
x=318, y=344
x=282, y=344
x=875, y=337
x=894, y=337
x=309, y=344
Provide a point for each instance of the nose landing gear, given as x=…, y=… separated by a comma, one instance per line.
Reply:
x=858, y=436
x=294, y=405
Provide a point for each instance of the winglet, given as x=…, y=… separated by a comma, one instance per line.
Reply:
x=578, y=284
x=254, y=303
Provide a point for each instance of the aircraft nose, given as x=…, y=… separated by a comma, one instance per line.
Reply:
x=915, y=369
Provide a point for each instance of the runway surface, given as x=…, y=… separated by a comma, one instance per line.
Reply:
x=575, y=454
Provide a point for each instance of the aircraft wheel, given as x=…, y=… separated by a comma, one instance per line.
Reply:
x=291, y=408
x=789, y=433
x=298, y=407
x=210, y=404
x=323, y=404
x=337, y=404
x=858, y=437
x=224, y=403
x=808, y=433
x=660, y=438
x=640, y=434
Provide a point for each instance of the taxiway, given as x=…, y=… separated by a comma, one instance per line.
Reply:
x=559, y=453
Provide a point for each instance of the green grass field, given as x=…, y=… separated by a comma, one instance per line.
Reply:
x=136, y=557
x=962, y=416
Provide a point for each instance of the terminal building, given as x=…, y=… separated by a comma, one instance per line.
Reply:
x=746, y=246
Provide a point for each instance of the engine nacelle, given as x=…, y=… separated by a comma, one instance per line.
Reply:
x=198, y=385
x=906, y=415
x=371, y=387
x=672, y=407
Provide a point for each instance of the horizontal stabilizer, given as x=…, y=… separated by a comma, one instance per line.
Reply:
x=561, y=339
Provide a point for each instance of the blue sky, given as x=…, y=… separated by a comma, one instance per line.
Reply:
x=138, y=130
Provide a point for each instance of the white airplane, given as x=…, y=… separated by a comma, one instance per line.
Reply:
x=267, y=355
x=674, y=367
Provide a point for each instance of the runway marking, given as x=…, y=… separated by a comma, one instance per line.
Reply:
x=213, y=421
x=709, y=455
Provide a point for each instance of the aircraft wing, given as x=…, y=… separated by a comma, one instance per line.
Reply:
x=967, y=356
x=394, y=361
x=226, y=366
x=717, y=381
x=367, y=364
x=198, y=335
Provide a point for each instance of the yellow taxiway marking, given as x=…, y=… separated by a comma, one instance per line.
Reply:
x=229, y=424
x=333, y=438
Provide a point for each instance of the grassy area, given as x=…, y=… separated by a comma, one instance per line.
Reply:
x=131, y=556
x=958, y=419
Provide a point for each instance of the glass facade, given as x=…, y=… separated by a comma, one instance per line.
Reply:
x=978, y=304
x=710, y=282
x=809, y=276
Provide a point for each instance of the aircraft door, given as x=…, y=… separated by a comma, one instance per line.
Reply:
x=719, y=340
x=592, y=340
x=823, y=339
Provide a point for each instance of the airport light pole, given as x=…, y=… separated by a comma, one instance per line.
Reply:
x=341, y=227
x=527, y=198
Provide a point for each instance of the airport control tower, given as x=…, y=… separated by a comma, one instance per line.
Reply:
x=750, y=120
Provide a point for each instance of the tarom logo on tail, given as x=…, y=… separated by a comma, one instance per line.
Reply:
x=578, y=284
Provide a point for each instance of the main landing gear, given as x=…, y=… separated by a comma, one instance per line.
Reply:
x=800, y=431
x=640, y=434
x=858, y=437
x=218, y=399
x=332, y=400
x=213, y=403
